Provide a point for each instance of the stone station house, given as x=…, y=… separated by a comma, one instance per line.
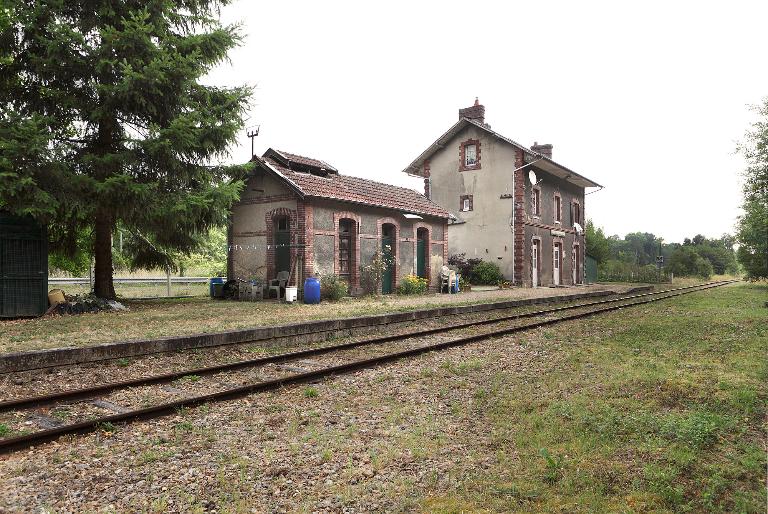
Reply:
x=533, y=231
x=301, y=215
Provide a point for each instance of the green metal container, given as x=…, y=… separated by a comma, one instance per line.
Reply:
x=591, y=271
x=23, y=267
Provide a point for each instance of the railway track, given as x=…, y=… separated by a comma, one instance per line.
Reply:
x=267, y=373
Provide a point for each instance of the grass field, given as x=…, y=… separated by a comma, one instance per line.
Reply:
x=661, y=408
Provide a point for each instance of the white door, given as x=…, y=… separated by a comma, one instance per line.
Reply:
x=535, y=263
x=556, y=266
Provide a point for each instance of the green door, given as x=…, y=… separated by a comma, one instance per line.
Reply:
x=282, y=251
x=421, y=258
x=386, y=252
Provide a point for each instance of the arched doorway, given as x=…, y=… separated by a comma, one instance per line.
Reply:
x=282, y=241
x=388, y=252
x=422, y=252
x=346, y=257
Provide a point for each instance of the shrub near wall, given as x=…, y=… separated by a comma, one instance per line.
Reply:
x=463, y=265
x=486, y=273
x=332, y=288
x=412, y=284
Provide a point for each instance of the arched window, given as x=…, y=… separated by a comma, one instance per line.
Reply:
x=282, y=238
x=422, y=252
x=346, y=249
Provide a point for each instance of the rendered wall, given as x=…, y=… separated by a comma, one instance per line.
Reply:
x=262, y=194
x=487, y=231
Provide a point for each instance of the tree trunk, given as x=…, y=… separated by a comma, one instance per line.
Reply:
x=103, y=285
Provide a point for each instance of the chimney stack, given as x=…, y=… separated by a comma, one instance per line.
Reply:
x=545, y=150
x=476, y=112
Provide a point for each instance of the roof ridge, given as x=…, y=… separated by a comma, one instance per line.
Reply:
x=286, y=154
x=417, y=203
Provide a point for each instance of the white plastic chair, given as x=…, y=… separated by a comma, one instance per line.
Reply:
x=278, y=283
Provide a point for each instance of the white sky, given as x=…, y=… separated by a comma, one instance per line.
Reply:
x=647, y=98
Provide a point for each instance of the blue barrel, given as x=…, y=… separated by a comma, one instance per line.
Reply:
x=311, y=290
x=215, y=280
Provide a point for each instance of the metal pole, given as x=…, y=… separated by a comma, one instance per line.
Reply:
x=168, y=280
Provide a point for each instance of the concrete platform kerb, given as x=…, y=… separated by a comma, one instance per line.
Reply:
x=290, y=333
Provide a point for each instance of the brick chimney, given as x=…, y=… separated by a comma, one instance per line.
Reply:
x=545, y=150
x=476, y=112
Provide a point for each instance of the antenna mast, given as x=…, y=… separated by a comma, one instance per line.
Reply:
x=252, y=132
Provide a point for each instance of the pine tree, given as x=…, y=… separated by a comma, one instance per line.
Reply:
x=104, y=120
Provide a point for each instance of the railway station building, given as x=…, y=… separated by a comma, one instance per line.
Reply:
x=529, y=224
x=301, y=215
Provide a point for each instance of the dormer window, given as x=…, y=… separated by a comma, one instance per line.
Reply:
x=469, y=155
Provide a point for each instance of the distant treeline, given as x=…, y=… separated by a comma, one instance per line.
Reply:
x=637, y=252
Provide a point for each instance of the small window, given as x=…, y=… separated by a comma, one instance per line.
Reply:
x=557, y=209
x=465, y=203
x=282, y=224
x=577, y=213
x=536, y=202
x=470, y=155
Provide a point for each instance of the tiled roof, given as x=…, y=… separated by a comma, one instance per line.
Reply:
x=357, y=190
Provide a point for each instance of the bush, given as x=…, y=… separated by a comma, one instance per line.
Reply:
x=486, y=273
x=412, y=285
x=332, y=288
x=686, y=262
x=371, y=274
x=463, y=265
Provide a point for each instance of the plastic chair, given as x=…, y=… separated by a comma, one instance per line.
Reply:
x=278, y=283
x=445, y=280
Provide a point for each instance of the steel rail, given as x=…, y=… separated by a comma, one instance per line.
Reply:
x=88, y=392
x=25, y=441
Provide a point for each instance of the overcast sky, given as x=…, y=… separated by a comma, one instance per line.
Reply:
x=647, y=98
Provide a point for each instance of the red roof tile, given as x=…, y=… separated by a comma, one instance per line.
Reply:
x=358, y=190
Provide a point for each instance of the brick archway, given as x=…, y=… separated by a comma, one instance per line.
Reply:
x=269, y=218
x=427, y=249
x=379, y=230
x=354, y=272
